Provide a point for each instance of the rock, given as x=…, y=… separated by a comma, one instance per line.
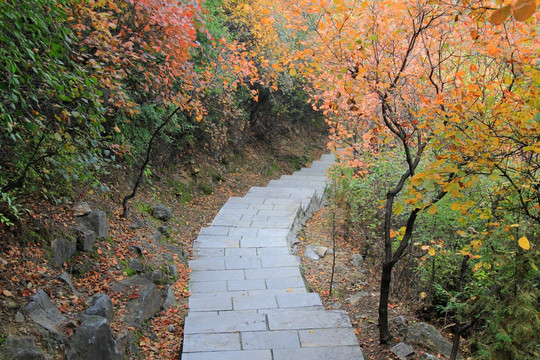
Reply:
x=161, y=212
x=173, y=270
x=316, y=251
x=177, y=250
x=158, y=277
x=136, y=265
x=357, y=260
x=170, y=299
x=65, y=278
x=402, y=350
x=81, y=209
x=97, y=222
x=93, y=340
x=127, y=344
x=154, y=237
x=62, y=250
x=101, y=305
x=398, y=322
x=86, y=238
x=137, y=223
x=21, y=348
x=171, y=328
x=164, y=230
x=137, y=249
x=426, y=356
x=145, y=305
x=355, y=299
x=19, y=317
x=427, y=336
x=11, y=304
x=43, y=312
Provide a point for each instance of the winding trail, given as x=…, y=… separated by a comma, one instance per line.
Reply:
x=248, y=298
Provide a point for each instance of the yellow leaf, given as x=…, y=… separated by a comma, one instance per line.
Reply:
x=455, y=206
x=466, y=251
x=500, y=15
x=116, y=128
x=292, y=72
x=524, y=243
x=431, y=251
x=432, y=209
x=523, y=9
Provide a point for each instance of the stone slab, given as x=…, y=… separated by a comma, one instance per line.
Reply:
x=327, y=337
x=254, y=302
x=270, y=339
x=230, y=355
x=272, y=273
x=207, y=286
x=298, y=300
x=324, y=353
x=211, y=342
x=232, y=321
x=257, y=284
x=299, y=319
x=214, y=275
x=210, y=302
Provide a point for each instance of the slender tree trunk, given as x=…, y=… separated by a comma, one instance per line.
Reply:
x=386, y=278
x=334, y=252
x=145, y=163
x=458, y=329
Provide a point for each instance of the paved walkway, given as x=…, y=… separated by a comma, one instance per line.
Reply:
x=248, y=299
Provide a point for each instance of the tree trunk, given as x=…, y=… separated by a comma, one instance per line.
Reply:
x=145, y=163
x=386, y=278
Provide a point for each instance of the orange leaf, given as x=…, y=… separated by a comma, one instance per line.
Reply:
x=474, y=34
x=523, y=9
x=500, y=15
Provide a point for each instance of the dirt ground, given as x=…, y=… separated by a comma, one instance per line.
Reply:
x=349, y=280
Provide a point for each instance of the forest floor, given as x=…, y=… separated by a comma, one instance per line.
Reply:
x=194, y=193
x=349, y=280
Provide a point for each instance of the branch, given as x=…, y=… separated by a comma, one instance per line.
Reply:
x=146, y=161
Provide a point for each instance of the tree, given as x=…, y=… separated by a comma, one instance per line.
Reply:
x=428, y=79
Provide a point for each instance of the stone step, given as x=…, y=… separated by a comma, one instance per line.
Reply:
x=248, y=297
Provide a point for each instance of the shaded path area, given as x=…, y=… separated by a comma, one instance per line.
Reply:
x=248, y=297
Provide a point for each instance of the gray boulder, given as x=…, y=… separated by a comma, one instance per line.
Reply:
x=161, y=212
x=127, y=344
x=427, y=336
x=81, y=209
x=101, y=305
x=43, y=312
x=93, y=340
x=21, y=348
x=62, y=250
x=65, y=278
x=145, y=305
x=158, y=277
x=317, y=251
x=398, y=322
x=402, y=350
x=170, y=300
x=97, y=222
x=357, y=260
x=136, y=265
x=86, y=238
x=355, y=299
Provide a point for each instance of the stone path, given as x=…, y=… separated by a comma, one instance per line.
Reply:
x=248, y=298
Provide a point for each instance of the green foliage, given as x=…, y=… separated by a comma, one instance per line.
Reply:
x=49, y=107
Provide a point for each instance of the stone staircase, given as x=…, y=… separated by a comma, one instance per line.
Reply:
x=248, y=298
